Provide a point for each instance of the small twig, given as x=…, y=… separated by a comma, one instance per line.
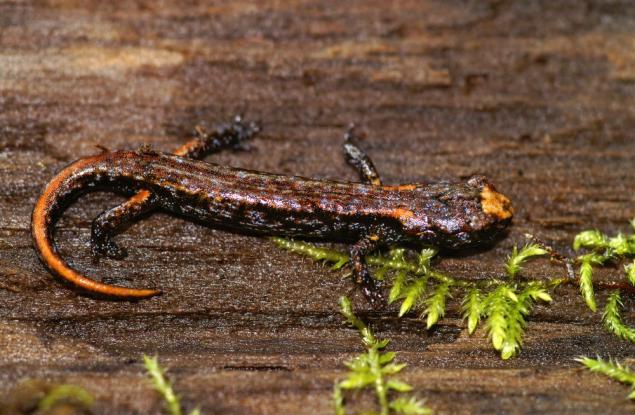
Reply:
x=555, y=255
x=568, y=262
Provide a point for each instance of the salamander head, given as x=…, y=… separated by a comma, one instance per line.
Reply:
x=493, y=203
x=458, y=215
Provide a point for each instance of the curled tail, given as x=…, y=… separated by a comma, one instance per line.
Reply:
x=47, y=210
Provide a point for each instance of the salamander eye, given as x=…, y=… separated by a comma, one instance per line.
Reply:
x=477, y=182
x=427, y=235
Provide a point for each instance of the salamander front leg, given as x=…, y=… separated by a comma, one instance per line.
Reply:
x=110, y=222
x=357, y=158
x=361, y=275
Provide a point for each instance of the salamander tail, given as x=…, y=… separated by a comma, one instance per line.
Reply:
x=45, y=214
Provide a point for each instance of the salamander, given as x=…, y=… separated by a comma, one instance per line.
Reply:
x=366, y=214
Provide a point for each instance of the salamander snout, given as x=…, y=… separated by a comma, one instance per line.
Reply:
x=493, y=203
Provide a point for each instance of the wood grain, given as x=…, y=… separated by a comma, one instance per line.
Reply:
x=536, y=95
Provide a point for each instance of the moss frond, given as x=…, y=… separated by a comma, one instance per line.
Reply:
x=590, y=239
x=163, y=386
x=412, y=294
x=535, y=290
x=398, y=285
x=409, y=406
x=435, y=304
x=613, y=369
x=337, y=258
x=374, y=369
x=498, y=306
x=602, y=249
x=424, y=258
x=66, y=393
x=395, y=254
x=473, y=308
x=517, y=258
x=629, y=269
x=505, y=312
x=513, y=333
x=586, y=280
x=338, y=400
x=516, y=323
x=622, y=245
x=613, y=321
x=364, y=331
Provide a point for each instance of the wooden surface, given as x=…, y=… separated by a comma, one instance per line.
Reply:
x=537, y=95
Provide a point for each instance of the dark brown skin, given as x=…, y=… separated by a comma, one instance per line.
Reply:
x=110, y=222
x=451, y=215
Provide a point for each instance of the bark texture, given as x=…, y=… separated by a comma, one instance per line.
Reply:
x=536, y=95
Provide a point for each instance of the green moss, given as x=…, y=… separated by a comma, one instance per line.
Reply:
x=419, y=288
x=375, y=369
x=164, y=387
x=612, y=369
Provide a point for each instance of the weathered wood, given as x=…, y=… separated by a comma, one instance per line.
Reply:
x=536, y=95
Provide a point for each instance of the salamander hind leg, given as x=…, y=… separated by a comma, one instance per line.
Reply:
x=357, y=158
x=361, y=274
x=231, y=135
x=112, y=221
